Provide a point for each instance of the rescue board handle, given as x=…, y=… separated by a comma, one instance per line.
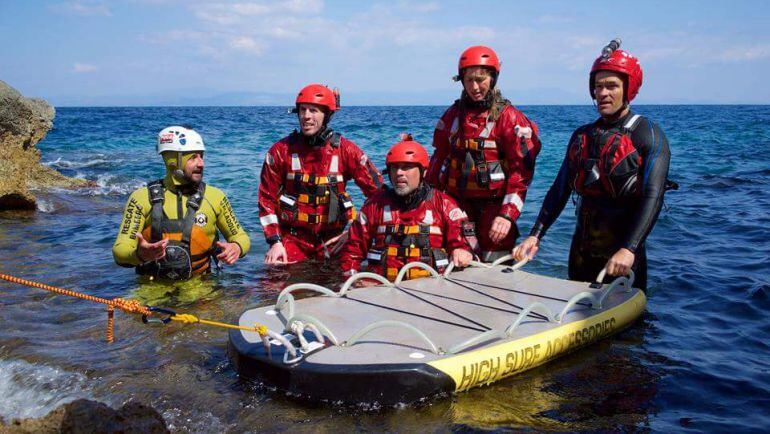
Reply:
x=597, y=301
x=499, y=261
x=405, y=269
x=536, y=307
x=600, y=278
x=285, y=297
x=358, y=276
x=311, y=320
x=486, y=336
x=388, y=324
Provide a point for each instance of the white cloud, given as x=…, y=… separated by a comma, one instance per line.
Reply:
x=738, y=54
x=554, y=19
x=245, y=43
x=80, y=68
x=232, y=13
x=419, y=6
x=82, y=8
x=177, y=36
x=579, y=42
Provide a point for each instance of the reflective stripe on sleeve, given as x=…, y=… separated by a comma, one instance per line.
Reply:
x=514, y=199
x=270, y=219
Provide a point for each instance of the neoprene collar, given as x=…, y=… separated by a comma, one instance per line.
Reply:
x=413, y=199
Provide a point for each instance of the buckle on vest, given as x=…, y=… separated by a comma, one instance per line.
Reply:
x=156, y=193
x=482, y=173
x=194, y=202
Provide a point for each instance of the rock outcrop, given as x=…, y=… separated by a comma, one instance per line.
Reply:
x=23, y=123
x=86, y=416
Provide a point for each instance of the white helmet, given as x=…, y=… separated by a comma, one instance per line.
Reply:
x=179, y=139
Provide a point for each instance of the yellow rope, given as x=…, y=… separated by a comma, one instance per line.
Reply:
x=192, y=319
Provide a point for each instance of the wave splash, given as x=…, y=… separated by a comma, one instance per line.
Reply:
x=31, y=390
x=98, y=160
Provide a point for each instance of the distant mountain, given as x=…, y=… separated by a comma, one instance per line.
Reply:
x=436, y=97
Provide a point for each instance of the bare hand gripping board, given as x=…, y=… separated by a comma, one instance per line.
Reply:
x=404, y=342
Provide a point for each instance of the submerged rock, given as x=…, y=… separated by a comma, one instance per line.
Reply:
x=23, y=123
x=86, y=416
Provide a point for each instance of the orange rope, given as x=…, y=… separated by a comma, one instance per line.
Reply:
x=110, y=324
x=128, y=306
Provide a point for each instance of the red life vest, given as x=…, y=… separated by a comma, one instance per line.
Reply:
x=474, y=167
x=606, y=162
x=399, y=240
x=316, y=200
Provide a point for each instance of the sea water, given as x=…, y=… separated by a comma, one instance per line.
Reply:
x=698, y=359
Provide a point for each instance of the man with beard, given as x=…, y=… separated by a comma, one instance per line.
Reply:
x=303, y=205
x=409, y=222
x=169, y=228
x=618, y=166
x=485, y=151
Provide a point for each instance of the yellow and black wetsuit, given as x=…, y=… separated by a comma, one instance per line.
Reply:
x=188, y=216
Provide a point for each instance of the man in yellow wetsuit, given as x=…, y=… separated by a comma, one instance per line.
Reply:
x=169, y=228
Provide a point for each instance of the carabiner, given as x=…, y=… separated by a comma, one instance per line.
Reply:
x=165, y=320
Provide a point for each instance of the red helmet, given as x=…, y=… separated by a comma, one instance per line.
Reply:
x=621, y=62
x=407, y=151
x=479, y=56
x=318, y=94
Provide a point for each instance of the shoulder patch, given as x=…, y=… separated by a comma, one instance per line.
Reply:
x=440, y=124
x=457, y=214
x=269, y=159
x=201, y=219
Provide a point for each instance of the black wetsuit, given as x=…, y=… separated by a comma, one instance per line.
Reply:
x=608, y=221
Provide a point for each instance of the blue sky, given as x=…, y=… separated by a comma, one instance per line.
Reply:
x=147, y=52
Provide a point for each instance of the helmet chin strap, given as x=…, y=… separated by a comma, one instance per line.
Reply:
x=320, y=137
x=179, y=173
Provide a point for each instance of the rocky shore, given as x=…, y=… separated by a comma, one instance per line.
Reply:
x=86, y=416
x=23, y=123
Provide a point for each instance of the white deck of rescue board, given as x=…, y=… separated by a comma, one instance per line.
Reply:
x=344, y=316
